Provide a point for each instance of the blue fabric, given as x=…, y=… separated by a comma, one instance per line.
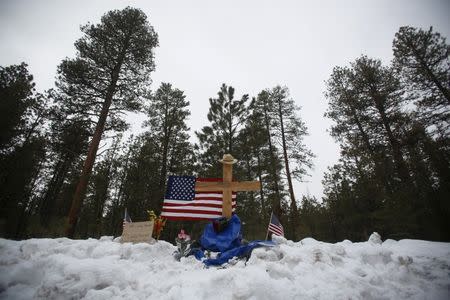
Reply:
x=225, y=240
x=198, y=253
x=240, y=251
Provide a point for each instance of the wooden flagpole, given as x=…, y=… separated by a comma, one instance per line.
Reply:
x=227, y=194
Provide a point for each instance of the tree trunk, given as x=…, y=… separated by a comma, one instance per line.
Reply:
x=261, y=191
x=87, y=167
x=276, y=204
x=93, y=146
x=288, y=171
x=47, y=207
x=92, y=152
x=165, y=151
x=379, y=169
x=395, y=145
x=100, y=203
x=285, y=155
x=440, y=87
x=362, y=131
x=33, y=127
x=430, y=74
x=230, y=128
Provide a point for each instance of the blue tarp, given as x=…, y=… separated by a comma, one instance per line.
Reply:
x=241, y=251
x=227, y=242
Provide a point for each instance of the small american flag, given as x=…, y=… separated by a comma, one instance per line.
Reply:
x=126, y=218
x=275, y=226
x=182, y=202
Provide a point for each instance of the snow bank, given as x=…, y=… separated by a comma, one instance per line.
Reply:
x=309, y=269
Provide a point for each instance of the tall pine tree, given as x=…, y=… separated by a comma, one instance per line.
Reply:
x=108, y=76
x=227, y=116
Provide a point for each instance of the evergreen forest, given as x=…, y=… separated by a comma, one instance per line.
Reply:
x=70, y=165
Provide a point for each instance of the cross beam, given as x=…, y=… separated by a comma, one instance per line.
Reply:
x=228, y=186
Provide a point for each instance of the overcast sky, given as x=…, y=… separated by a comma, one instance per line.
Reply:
x=250, y=45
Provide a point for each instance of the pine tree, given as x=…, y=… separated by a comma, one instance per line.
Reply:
x=21, y=108
x=423, y=59
x=99, y=193
x=22, y=146
x=16, y=91
x=263, y=112
x=253, y=141
x=112, y=66
x=168, y=112
x=114, y=209
x=68, y=139
x=289, y=131
x=227, y=117
x=366, y=102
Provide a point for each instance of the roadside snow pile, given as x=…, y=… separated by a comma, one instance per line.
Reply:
x=309, y=269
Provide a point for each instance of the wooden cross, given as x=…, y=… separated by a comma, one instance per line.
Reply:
x=227, y=186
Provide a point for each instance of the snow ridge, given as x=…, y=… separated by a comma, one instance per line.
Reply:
x=308, y=269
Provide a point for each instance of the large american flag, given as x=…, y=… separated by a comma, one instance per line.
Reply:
x=275, y=226
x=182, y=202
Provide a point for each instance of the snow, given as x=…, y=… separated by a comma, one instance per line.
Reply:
x=308, y=269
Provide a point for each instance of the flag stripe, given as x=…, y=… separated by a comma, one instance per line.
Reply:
x=195, y=203
x=193, y=208
x=275, y=226
x=276, y=230
x=190, y=216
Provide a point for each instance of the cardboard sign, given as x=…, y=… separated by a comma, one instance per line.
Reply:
x=137, y=232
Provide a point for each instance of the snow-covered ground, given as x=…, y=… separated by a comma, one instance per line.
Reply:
x=309, y=269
